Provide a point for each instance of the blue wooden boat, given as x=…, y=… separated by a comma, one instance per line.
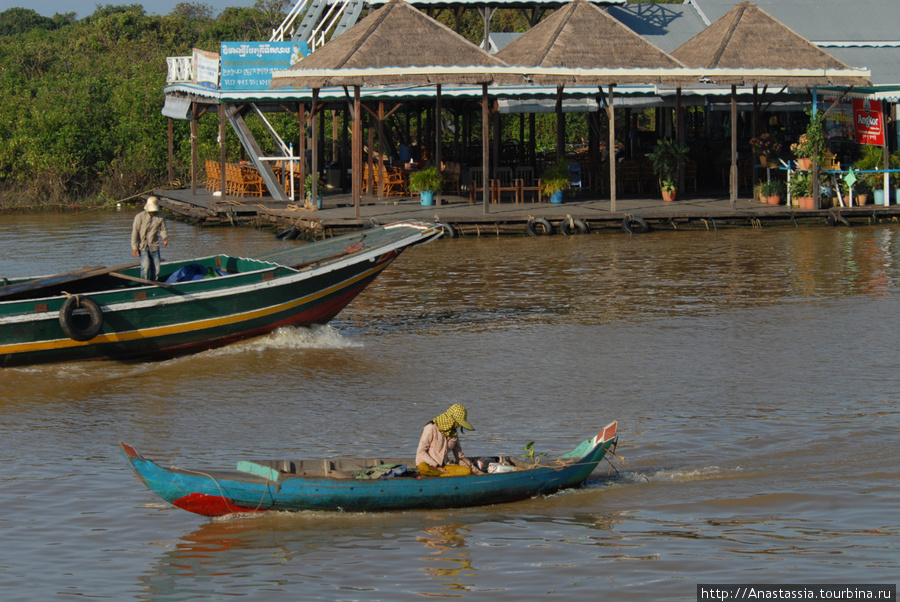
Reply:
x=102, y=313
x=354, y=485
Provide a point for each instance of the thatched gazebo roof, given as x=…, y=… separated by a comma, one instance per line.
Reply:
x=747, y=37
x=582, y=36
x=397, y=44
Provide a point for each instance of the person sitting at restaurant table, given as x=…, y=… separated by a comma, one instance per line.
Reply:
x=439, y=438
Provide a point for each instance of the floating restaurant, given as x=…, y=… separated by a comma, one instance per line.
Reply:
x=726, y=118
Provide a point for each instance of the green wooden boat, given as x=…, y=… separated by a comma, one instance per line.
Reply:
x=355, y=486
x=101, y=313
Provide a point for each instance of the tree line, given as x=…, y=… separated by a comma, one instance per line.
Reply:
x=81, y=120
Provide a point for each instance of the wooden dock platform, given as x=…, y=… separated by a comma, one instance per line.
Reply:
x=462, y=218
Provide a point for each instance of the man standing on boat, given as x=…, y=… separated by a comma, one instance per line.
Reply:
x=440, y=437
x=148, y=230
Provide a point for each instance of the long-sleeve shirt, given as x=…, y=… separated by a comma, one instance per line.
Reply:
x=434, y=447
x=147, y=231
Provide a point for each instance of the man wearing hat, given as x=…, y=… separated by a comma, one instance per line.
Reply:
x=439, y=438
x=149, y=228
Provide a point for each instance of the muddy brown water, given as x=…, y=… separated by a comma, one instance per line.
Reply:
x=754, y=375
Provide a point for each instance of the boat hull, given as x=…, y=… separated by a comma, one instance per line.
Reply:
x=227, y=492
x=254, y=298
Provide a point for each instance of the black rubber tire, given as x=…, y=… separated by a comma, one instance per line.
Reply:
x=635, y=225
x=565, y=228
x=288, y=234
x=449, y=231
x=545, y=226
x=67, y=320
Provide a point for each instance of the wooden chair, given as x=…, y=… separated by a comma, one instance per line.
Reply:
x=450, y=176
x=528, y=183
x=476, y=183
x=213, y=175
x=503, y=182
x=234, y=183
x=392, y=181
x=253, y=182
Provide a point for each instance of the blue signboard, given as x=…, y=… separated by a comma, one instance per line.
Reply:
x=249, y=65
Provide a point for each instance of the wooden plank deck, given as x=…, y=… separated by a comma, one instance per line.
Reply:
x=338, y=214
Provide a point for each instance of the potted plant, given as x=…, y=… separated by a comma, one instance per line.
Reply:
x=800, y=189
x=766, y=147
x=773, y=191
x=811, y=144
x=759, y=191
x=668, y=157
x=426, y=182
x=862, y=189
x=870, y=162
x=308, y=189
x=555, y=181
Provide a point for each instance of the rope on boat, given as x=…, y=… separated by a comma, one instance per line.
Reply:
x=222, y=492
x=618, y=457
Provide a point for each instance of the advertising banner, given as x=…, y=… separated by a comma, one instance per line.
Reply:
x=249, y=65
x=205, y=68
x=868, y=121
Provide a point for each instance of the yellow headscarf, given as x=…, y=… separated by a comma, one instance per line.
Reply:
x=454, y=417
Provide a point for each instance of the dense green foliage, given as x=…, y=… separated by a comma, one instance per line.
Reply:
x=82, y=98
x=81, y=114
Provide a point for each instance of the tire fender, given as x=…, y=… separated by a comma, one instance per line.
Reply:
x=542, y=224
x=571, y=226
x=449, y=231
x=67, y=321
x=633, y=224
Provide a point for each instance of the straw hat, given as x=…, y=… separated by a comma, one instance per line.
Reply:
x=151, y=205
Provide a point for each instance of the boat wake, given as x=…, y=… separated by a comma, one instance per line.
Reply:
x=314, y=337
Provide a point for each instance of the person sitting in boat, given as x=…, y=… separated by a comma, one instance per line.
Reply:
x=439, y=437
x=148, y=230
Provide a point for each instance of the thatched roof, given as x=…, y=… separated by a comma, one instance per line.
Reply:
x=747, y=37
x=386, y=48
x=581, y=35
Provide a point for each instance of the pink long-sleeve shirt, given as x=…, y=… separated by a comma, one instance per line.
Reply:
x=434, y=447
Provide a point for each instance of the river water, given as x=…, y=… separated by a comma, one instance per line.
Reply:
x=753, y=374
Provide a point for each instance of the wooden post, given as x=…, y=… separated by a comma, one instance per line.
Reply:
x=485, y=167
x=314, y=194
x=611, y=117
x=560, y=126
x=679, y=133
x=356, y=150
x=437, y=139
x=222, y=154
x=301, y=144
x=193, y=148
x=734, y=167
x=380, y=178
x=370, y=159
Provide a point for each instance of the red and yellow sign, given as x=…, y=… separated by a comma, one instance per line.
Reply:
x=868, y=121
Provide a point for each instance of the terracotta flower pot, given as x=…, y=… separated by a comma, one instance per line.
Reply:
x=669, y=195
x=862, y=199
x=774, y=199
x=806, y=202
x=804, y=164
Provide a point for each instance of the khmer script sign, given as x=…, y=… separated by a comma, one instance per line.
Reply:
x=249, y=65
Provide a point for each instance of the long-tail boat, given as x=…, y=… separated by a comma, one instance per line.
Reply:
x=102, y=313
x=374, y=484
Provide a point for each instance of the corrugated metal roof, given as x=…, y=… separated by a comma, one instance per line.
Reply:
x=817, y=20
x=667, y=26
